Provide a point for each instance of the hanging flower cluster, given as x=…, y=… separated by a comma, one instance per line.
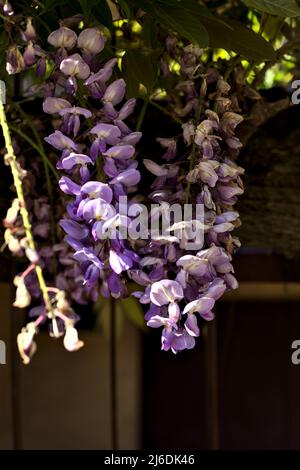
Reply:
x=97, y=158
x=25, y=52
x=182, y=285
x=55, y=308
x=54, y=255
x=95, y=149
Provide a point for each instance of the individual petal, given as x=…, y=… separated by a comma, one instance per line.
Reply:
x=97, y=209
x=71, y=341
x=132, y=138
x=29, y=34
x=154, y=168
x=127, y=109
x=128, y=177
x=216, y=288
x=86, y=254
x=60, y=141
x=96, y=189
x=167, y=338
x=181, y=341
x=222, y=228
x=75, y=244
x=63, y=37
x=91, y=40
x=23, y=298
x=108, y=228
x=26, y=343
x=103, y=74
x=201, y=305
x=75, y=159
x=191, y=325
x=231, y=281
x=29, y=55
x=188, y=132
x=193, y=265
x=205, y=172
x=74, y=229
x=91, y=275
x=122, y=152
x=165, y=291
x=170, y=145
x=115, y=92
x=14, y=61
x=156, y=321
x=119, y=261
x=75, y=110
x=68, y=186
x=107, y=132
x=12, y=212
x=53, y=105
x=74, y=65
x=174, y=312
x=208, y=316
x=228, y=216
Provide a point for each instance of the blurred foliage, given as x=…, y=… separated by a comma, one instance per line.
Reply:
x=261, y=32
x=265, y=34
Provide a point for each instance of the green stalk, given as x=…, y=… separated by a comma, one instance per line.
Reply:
x=47, y=164
x=165, y=111
x=142, y=115
x=38, y=149
x=19, y=189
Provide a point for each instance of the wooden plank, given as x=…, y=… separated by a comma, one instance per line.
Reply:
x=6, y=416
x=66, y=396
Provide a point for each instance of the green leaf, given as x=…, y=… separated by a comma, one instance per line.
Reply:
x=284, y=8
x=99, y=9
x=126, y=8
x=49, y=5
x=240, y=39
x=138, y=67
x=102, y=13
x=190, y=5
x=185, y=23
x=178, y=19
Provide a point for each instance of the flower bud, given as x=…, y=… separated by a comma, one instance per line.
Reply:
x=14, y=61
x=7, y=9
x=25, y=342
x=63, y=37
x=115, y=92
x=53, y=105
x=29, y=55
x=91, y=40
x=71, y=340
x=74, y=65
x=12, y=213
x=29, y=34
x=23, y=297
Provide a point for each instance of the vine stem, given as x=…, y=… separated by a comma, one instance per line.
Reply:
x=20, y=194
x=166, y=111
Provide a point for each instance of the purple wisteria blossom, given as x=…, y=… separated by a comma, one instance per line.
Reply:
x=97, y=151
x=199, y=278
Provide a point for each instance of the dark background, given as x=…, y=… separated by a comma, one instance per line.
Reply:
x=238, y=389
